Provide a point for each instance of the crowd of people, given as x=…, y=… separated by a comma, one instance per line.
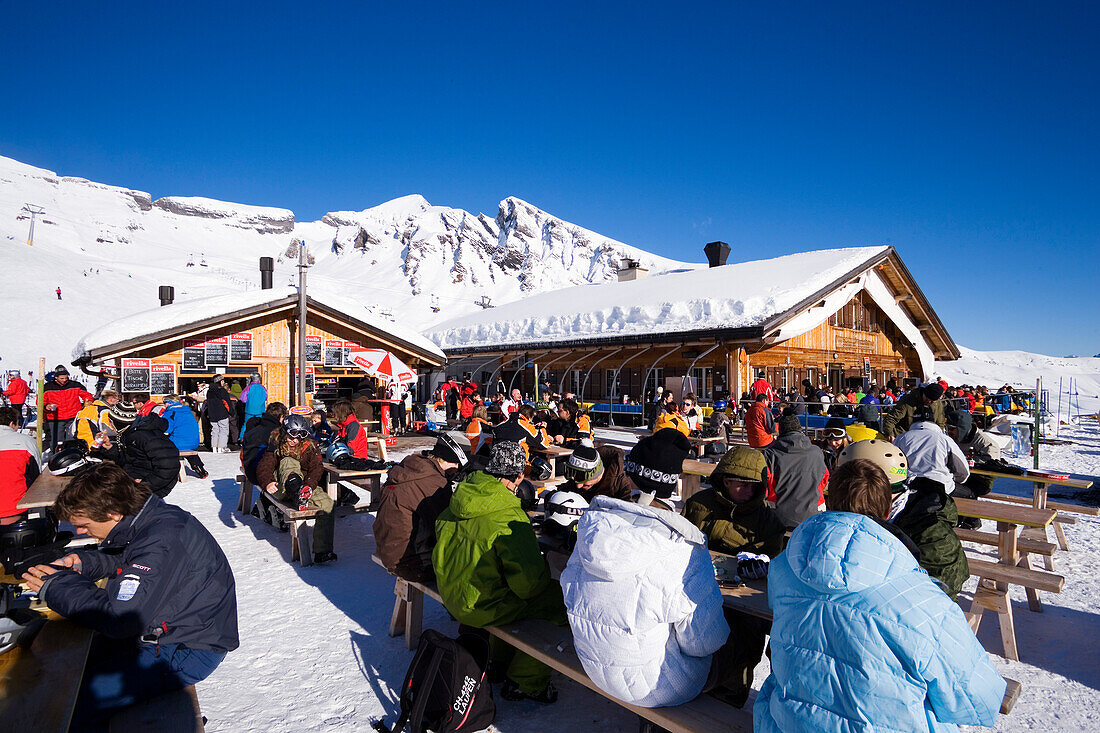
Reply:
x=854, y=529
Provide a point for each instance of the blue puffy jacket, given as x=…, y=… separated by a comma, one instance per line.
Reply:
x=254, y=398
x=183, y=429
x=862, y=639
x=167, y=579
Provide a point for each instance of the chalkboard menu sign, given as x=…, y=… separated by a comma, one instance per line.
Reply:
x=313, y=348
x=135, y=375
x=217, y=351
x=310, y=386
x=240, y=346
x=350, y=346
x=194, y=356
x=164, y=379
x=334, y=353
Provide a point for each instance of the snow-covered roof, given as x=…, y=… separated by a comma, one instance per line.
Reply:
x=742, y=295
x=183, y=314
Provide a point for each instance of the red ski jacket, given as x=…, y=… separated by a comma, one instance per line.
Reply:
x=69, y=399
x=352, y=433
x=17, y=391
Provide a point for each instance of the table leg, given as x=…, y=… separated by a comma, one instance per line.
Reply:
x=414, y=617
x=397, y=619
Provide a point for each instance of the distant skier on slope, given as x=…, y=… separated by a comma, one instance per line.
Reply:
x=58, y=292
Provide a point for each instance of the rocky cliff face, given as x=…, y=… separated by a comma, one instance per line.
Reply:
x=262, y=219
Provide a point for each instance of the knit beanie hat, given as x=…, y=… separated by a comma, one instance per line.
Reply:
x=449, y=448
x=122, y=414
x=60, y=369
x=506, y=460
x=656, y=462
x=835, y=428
x=789, y=424
x=742, y=462
x=932, y=391
x=585, y=463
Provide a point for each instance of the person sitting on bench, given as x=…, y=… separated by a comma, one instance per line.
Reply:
x=983, y=448
x=145, y=452
x=348, y=430
x=593, y=472
x=926, y=512
x=518, y=428
x=644, y=605
x=415, y=493
x=886, y=648
x=168, y=613
x=290, y=470
x=490, y=570
x=735, y=519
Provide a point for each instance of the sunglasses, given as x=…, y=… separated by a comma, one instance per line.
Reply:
x=299, y=434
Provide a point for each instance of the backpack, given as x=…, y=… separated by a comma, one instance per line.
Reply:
x=445, y=689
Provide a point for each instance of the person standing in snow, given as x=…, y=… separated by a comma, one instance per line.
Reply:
x=759, y=423
x=218, y=404
x=254, y=398
x=16, y=392
x=183, y=431
x=58, y=292
x=63, y=400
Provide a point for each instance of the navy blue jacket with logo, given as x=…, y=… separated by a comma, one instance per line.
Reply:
x=168, y=580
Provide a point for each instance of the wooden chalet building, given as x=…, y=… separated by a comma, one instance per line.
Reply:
x=169, y=350
x=835, y=317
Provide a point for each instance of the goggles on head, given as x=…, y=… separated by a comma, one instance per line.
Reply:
x=299, y=434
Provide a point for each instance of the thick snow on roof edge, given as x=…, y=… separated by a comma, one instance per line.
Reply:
x=732, y=296
x=182, y=313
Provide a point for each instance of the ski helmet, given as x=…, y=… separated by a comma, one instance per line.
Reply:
x=298, y=424
x=450, y=449
x=68, y=460
x=337, y=450
x=564, y=509
x=18, y=626
x=541, y=469
x=720, y=405
x=883, y=454
x=28, y=532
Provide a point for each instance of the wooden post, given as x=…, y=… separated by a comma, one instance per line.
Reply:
x=40, y=402
x=1037, y=405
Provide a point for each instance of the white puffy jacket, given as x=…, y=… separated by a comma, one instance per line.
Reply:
x=643, y=603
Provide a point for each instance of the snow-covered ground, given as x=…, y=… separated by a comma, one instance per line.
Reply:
x=315, y=654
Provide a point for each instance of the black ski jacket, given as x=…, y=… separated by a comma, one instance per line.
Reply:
x=147, y=454
x=257, y=433
x=167, y=581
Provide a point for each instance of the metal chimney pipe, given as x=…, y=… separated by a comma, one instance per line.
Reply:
x=167, y=294
x=717, y=252
x=267, y=269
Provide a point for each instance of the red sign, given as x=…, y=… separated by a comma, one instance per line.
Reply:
x=218, y=340
x=165, y=368
x=246, y=336
x=192, y=343
x=136, y=363
x=351, y=345
x=334, y=344
x=313, y=339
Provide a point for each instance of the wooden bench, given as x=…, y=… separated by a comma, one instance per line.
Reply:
x=184, y=454
x=172, y=712
x=992, y=595
x=301, y=533
x=1032, y=547
x=553, y=646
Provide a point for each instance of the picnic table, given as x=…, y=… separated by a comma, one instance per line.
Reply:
x=39, y=684
x=553, y=453
x=1013, y=566
x=700, y=443
x=1040, y=480
x=43, y=492
x=356, y=477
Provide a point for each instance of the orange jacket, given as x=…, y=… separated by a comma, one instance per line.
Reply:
x=759, y=425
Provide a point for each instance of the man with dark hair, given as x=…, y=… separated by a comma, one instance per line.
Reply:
x=519, y=428
x=759, y=423
x=415, y=494
x=63, y=399
x=146, y=453
x=902, y=415
x=168, y=613
x=19, y=463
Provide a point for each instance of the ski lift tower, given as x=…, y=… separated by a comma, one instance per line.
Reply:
x=485, y=302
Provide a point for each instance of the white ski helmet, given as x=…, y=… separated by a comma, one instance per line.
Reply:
x=564, y=509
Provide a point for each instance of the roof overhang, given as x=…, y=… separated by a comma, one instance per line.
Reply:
x=287, y=305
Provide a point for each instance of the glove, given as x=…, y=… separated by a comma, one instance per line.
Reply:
x=752, y=566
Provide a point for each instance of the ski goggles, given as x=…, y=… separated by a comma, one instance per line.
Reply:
x=299, y=434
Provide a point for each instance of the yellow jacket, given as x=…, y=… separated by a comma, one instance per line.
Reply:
x=94, y=418
x=668, y=420
x=857, y=432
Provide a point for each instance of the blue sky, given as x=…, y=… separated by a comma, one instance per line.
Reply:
x=965, y=137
